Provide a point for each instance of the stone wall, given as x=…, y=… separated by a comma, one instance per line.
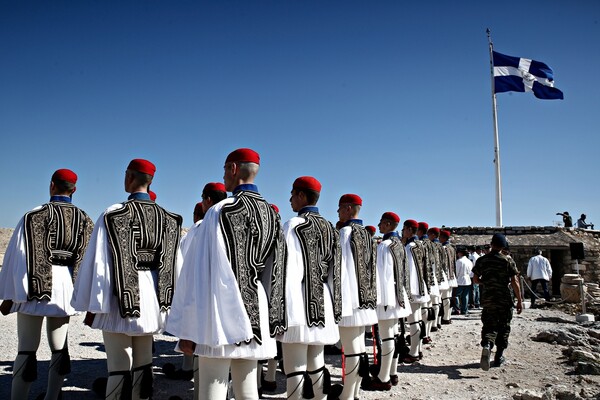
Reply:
x=553, y=241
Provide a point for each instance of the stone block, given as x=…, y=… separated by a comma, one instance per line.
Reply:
x=585, y=318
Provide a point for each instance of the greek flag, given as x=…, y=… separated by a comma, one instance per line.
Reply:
x=515, y=74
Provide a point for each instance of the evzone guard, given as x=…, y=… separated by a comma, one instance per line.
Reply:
x=313, y=300
x=393, y=302
x=127, y=279
x=418, y=294
x=36, y=281
x=229, y=304
x=359, y=295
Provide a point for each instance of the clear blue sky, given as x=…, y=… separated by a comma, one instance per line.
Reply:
x=386, y=99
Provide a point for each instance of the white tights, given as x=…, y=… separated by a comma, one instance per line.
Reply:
x=300, y=357
x=446, y=296
x=353, y=342
x=213, y=378
x=387, y=331
x=29, y=332
x=414, y=320
x=125, y=353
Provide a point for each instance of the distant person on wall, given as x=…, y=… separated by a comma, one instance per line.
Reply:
x=540, y=272
x=567, y=220
x=495, y=271
x=36, y=281
x=582, y=224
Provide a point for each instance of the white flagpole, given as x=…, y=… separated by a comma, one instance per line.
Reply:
x=496, y=141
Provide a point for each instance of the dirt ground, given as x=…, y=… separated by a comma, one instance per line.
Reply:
x=448, y=370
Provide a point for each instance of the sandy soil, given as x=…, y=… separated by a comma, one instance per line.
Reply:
x=449, y=369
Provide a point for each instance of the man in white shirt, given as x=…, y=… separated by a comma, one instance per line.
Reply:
x=474, y=298
x=539, y=271
x=463, y=279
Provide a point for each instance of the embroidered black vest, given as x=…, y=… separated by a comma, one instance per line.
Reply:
x=321, y=252
x=436, y=255
x=364, y=252
x=401, y=272
x=256, y=249
x=418, y=254
x=142, y=236
x=451, y=260
x=56, y=234
x=429, y=262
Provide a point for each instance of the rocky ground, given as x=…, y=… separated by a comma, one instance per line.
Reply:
x=449, y=370
x=550, y=357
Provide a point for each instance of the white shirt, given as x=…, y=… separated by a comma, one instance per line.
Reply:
x=539, y=268
x=463, y=271
x=186, y=240
x=473, y=257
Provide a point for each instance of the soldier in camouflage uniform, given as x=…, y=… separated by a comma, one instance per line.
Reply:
x=495, y=271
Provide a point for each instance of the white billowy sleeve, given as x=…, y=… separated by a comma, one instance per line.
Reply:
x=207, y=305
x=294, y=291
x=386, y=288
x=350, y=299
x=93, y=287
x=13, y=274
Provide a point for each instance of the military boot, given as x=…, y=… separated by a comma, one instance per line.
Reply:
x=498, y=357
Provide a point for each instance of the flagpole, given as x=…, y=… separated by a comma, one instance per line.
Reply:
x=496, y=141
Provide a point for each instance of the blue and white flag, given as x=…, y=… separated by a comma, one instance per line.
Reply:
x=514, y=74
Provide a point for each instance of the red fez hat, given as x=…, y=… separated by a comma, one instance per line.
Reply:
x=214, y=187
x=371, y=229
x=243, y=155
x=275, y=208
x=152, y=195
x=198, y=209
x=351, y=199
x=308, y=183
x=434, y=230
x=423, y=226
x=390, y=215
x=142, y=166
x=411, y=223
x=445, y=233
x=64, y=175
